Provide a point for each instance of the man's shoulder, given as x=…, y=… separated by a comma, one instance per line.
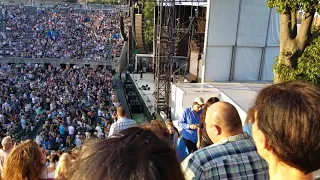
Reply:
x=130, y=120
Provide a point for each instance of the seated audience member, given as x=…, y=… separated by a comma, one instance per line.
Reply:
x=233, y=154
x=25, y=161
x=51, y=169
x=286, y=129
x=122, y=123
x=63, y=169
x=134, y=153
x=203, y=139
x=5, y=151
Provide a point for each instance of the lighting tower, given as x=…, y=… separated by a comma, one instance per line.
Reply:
x=164, y=54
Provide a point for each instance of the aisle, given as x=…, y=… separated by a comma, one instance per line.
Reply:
x=120, y=95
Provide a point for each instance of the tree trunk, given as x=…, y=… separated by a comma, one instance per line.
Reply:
x=293, y=43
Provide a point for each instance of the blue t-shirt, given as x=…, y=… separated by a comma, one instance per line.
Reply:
x=62, y=130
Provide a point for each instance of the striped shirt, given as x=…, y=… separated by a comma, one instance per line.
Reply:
x=121, y=124
x=235, y=157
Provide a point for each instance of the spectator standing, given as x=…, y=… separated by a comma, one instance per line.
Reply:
x=26, y=161
x=203, y=139
x=286, y=129
x=189, y=123
x=233, y=154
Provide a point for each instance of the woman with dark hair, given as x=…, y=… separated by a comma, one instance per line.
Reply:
x=25, y=161
x=247, y=127
x=203, y=139
x=286, y=129
x=135, y=153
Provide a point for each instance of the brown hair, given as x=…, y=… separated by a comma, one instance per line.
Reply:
x=288, y=115
x=121, y=111
x=24, y=162
x=134, y=153
x=159, y=129
x=209, y=102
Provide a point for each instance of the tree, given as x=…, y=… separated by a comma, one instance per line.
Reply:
x=292, y=42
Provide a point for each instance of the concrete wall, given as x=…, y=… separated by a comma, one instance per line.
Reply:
x=56, y=62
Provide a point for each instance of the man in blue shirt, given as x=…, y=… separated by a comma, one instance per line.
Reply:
x=189, y=123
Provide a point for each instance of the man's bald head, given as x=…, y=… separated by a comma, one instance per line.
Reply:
x=225, y=116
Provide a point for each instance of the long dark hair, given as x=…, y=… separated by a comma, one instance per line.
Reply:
x=208, y=103
x=135, y=153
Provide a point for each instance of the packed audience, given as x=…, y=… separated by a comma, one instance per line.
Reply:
x=60, y=124
x=62, y=33
x=59, y=108
x=283, y=121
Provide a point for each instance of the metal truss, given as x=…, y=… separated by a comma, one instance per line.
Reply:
x=164, y=54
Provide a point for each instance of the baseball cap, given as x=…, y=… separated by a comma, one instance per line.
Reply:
x=199, y=100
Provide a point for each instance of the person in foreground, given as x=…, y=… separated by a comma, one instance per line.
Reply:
x=135, y=153
x=25, y=161
x=287, y=128
x=233, y=154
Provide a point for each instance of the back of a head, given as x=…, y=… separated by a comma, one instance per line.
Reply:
x=159, y=129
x=288, y=115
x=226, y=116
x=209, y=102
x=6, y=143
x=63, y=169
x=135, y=153
x=121, y=112
x=24, y=162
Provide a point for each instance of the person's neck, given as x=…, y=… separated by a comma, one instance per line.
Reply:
x=279, y=170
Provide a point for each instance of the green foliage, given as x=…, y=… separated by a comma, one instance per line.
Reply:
x=287, y=5
x=148, y=13
x=308, y=68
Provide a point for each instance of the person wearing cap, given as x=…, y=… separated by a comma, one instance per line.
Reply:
x=189, y=124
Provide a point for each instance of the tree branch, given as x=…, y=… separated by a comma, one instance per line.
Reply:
x=305, y=29
x=293, y=23
x=284, y=25
x=313, y=36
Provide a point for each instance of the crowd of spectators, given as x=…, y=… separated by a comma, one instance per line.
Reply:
x=59, y=32
x=59, y=108
x=84, y=132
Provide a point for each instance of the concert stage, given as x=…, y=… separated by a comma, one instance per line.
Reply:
x=241, y=95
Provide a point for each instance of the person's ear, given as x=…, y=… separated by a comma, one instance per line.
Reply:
x=217, y=130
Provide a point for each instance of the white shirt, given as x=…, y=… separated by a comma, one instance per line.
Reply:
x=98, y=128
x=39, y=140
x=71, y=130
x=77, y=142
x=99, y=113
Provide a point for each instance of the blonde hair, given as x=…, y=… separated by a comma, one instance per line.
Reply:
x=24, y=162
x=63, y=169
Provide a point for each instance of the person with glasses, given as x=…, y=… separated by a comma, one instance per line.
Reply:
x=189, y=123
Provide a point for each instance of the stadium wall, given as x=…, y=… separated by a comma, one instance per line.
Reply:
x=57, y=62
